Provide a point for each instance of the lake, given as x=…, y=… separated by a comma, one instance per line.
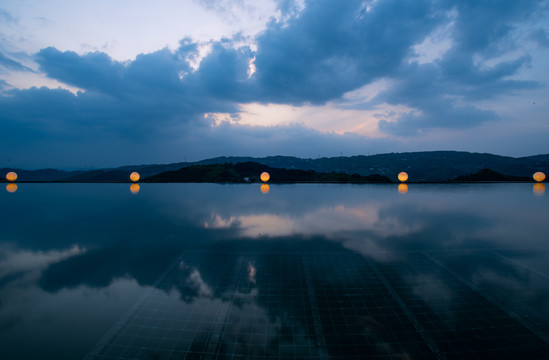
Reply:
x=308, y=271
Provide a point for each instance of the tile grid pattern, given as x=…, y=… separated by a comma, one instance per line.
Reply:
x=105, y=341
x=317, y=306
x=409, y=314
x=493, y=300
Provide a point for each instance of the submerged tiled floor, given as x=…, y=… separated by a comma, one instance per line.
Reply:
x=415, y=305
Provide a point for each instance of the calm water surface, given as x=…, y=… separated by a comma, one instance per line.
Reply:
x=212, y=271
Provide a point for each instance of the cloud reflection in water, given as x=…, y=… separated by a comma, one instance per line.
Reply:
x=244, y=251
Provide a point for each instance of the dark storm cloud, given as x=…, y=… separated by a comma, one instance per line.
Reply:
x=223, y=74
x=33, y=114
x=129, y=99
x=442, y=93
x=93, y=71
x=483, y=26
x=337, y=46
x=311, y=56
x=437, y=91
x=441, y=114
x=473, y=83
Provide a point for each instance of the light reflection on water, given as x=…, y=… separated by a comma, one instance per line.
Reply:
x=134, y=188
x=73, y=254
x=539, y=189
x=11, y=188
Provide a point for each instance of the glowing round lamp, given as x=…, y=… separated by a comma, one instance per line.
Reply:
x=11, y=176
x=402, y=177
x=265, y=188
x=134, y=188
x=265, y=176
x=11, y=188
x=539, y=176
x=134, y=176
x=402, y=188
x=539, y=189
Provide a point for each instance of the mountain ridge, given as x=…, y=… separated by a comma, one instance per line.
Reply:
x=245, y=172
x=424, y=166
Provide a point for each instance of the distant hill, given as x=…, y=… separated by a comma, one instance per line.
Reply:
x=38, y=175
x=250, y=172
x=108, y=175
x=488, y=175
x=428, y=166
x=420, y=166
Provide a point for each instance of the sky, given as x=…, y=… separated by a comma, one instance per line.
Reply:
x=109, y=83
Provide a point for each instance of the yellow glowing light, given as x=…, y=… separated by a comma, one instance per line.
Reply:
x=539, y=189
x=265, y=188
x=11, y=176
x=11, y=188
x=539, y=176
x=134, y=176
x=134, y=188
x=402, y=188
x=265, y=176
x=402, y=177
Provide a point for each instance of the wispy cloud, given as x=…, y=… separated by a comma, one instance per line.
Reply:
x=11, y=64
